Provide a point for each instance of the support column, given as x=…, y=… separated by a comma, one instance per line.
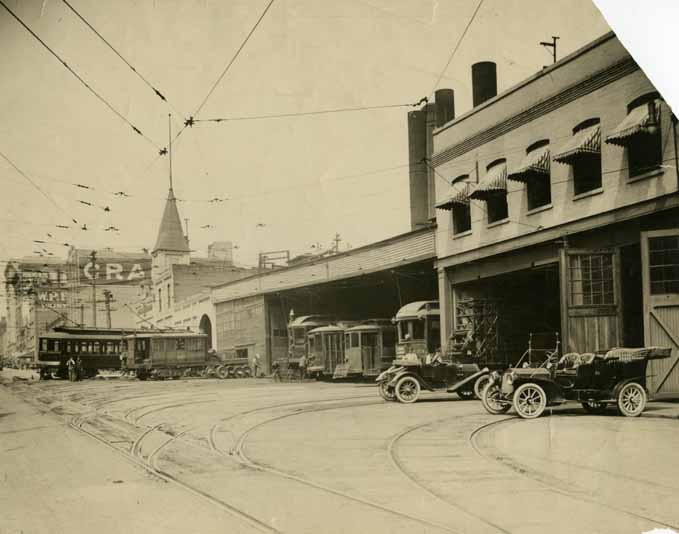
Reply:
x=447, y=307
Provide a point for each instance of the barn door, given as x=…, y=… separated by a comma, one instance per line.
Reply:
x=660, y=269
x=591, y=310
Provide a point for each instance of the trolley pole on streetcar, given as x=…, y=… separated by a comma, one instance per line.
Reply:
x=93, y=258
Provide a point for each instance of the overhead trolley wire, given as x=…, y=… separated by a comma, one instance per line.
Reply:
x=457, y=46
x=80, y=79
x=132, y=68
x=36, y=186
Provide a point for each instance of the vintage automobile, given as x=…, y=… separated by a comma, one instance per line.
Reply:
x=404, y=380
x=617, y=377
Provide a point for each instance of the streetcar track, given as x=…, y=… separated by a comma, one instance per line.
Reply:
x=242, y=458
x=527, y=473
x=393, y=456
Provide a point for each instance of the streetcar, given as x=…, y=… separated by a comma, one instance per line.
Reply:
x=298, y=329
x=169, y=355
x=369, y=347
x=419, y=329
x=97, y=349
x=326, y=348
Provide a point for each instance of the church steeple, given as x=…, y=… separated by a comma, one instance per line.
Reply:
x=172, y=245
x=171, y=236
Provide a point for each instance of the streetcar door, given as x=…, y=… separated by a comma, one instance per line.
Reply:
x=660, y=279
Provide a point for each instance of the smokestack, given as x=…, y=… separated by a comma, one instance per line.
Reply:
x=484, y=81
x=445, y=106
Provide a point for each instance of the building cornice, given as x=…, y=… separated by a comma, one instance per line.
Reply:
x=566, y=96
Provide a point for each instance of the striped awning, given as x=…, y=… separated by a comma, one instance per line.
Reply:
x=459, y=196
x=536, y=163
x=584, y=142
x=494, y=182
x=639, y=121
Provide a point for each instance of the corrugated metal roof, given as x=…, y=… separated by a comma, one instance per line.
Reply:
x=400, y=250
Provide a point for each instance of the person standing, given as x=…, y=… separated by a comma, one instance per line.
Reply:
x=302, y=368
x=276, y=368
x=71, y=369
x=79, y=372
x=256, y=364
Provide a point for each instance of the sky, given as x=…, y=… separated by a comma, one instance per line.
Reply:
x=290, y=182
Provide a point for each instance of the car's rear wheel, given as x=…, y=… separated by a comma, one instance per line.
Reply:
x=530, y=400
x=492, y=401
x=465, y=394
x=407, y=389
x=632, y=400
x=480, y=385
x=386, y=392
x=596, y=408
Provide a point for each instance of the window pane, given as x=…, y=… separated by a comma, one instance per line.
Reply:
x=664, y=264
x=591, y=279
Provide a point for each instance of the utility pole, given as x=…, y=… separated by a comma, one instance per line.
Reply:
x=551, y=45
x=107, y=302
x=93, y=258
x=336, y=240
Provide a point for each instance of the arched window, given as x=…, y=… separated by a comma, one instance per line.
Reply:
x=583, y=153
x=535, y=172
x=493, y=191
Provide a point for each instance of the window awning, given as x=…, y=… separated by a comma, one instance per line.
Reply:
x=495, y=181
x=639, y=121
x=459, y=197
x=536, y=163
x=584, y=142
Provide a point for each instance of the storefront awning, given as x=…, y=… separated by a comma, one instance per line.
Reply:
x=535, y=164
x=584, y=142
x=494, y=182
x=642, y=120
x=460, y=196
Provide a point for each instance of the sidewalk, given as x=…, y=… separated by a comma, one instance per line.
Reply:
x=57, y=480
x=663, y=409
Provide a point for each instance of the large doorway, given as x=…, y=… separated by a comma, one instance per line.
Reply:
x=205, y=327
x=504, y=311
x=632, y=296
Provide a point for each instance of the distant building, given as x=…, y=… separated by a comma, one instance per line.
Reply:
x=177, y=294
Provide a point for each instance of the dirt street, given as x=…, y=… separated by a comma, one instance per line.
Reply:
x=252, y=456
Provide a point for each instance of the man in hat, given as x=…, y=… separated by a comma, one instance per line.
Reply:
x=71, y=369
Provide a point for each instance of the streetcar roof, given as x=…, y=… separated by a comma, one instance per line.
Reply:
x=418, y=310
x=145, y=335
x=372, y=325
x=306, y=320
x=83, y=337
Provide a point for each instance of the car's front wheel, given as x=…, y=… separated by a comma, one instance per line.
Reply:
x=407, y=389
x=530, y=400
x=480, y=385
x=386, y=392
x=492, y=400
x=632, y=400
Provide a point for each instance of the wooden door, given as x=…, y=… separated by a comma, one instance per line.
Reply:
x=660, y=274
x=591, y=310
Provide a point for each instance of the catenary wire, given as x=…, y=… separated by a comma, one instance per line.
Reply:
x=115, y=51
x=78, y=77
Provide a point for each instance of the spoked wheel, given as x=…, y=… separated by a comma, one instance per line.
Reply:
x=223, y=372
x=407, y=389
x=596, y=408
x=632, y=400
x=386, y=392
x=530, y=401
x=240, y=373
x=480, y=384
x=492, y=401
x=465, y=394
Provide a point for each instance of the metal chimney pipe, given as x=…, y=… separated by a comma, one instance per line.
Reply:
x=445, y=106
x=484, y=81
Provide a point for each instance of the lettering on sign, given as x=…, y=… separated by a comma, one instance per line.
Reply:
x=112, y=272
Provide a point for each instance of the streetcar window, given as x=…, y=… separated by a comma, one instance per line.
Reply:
x=43, y=345
x=76, y=347
x=96, y=347
x=355, y=342
x=124, y=344
x=298, y=334
x=418, y=329
x=83, y=346
x=181, y=343
x=68, y=347
x=57, y=347
x=388, y=338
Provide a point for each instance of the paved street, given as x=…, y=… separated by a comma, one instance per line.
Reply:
x=111, y=456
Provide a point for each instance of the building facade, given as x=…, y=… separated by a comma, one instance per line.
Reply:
x=558, y=212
